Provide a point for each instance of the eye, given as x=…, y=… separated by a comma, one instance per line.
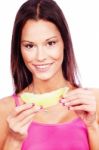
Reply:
x=51, y=43
x=29, y=46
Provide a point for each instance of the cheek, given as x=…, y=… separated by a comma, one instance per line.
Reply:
x=27, y=57
x=59, y=51
x=57, y=54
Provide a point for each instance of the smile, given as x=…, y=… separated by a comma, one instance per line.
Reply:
x=43, y=67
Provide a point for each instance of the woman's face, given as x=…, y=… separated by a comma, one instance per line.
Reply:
x=42, y=49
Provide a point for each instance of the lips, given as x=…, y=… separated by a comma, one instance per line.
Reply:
x=43, y=67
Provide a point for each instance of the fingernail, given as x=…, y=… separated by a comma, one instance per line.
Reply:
x=62, y=100
x=29, y=105
x=64, y=104
x=41, y=107
x=33, y=104
x=68, y=108
x=37, y=108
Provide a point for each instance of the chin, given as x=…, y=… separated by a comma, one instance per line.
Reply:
x=44, y=77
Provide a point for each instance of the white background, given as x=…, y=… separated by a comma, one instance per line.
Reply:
x=83, y=19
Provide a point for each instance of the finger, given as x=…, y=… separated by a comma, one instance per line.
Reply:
x=21, y=108
x=82, y=97
x=24, y=129
x=78, y=91
x=15, y=117
x=27, y=112
x=74, y=102
x=87, y=108
x=21, y=127
x=26, y=120
x=16, y=122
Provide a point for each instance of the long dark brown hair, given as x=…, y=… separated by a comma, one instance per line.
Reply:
x=47, y=10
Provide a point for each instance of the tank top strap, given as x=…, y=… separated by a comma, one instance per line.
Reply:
x=16, y=99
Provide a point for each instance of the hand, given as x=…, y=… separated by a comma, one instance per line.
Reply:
x=20, y=119
x=83, y=102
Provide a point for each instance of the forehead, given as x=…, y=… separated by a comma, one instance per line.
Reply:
x=39, y=30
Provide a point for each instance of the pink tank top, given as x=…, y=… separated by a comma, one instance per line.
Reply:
x=63, y=136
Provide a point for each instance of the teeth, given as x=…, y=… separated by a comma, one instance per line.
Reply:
x=43, y=66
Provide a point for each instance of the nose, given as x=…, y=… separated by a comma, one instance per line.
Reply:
x=41, y=54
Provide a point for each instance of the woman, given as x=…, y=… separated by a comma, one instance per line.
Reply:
x=42, y=60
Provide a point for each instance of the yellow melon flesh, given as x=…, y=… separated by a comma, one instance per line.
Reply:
x=46, y=99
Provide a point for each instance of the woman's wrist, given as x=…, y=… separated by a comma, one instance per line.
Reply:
x=12, y=144
x=93, y=134
x=93, y=127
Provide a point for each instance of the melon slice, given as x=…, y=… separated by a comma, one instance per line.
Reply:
x=46, y=99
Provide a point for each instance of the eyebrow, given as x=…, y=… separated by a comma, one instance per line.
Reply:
x=51, y=38
x=45, y=40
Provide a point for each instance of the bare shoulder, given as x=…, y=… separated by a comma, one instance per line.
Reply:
x=6, y=106
x=96, y=94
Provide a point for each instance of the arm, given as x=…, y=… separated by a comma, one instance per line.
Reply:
x=6, y=141
x=85, y=102
x=93, y=131
x=11, y=144
x=17, y=121
x=96, y=93
x=3, y=123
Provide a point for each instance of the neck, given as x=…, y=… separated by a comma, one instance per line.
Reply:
x=39, y=86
